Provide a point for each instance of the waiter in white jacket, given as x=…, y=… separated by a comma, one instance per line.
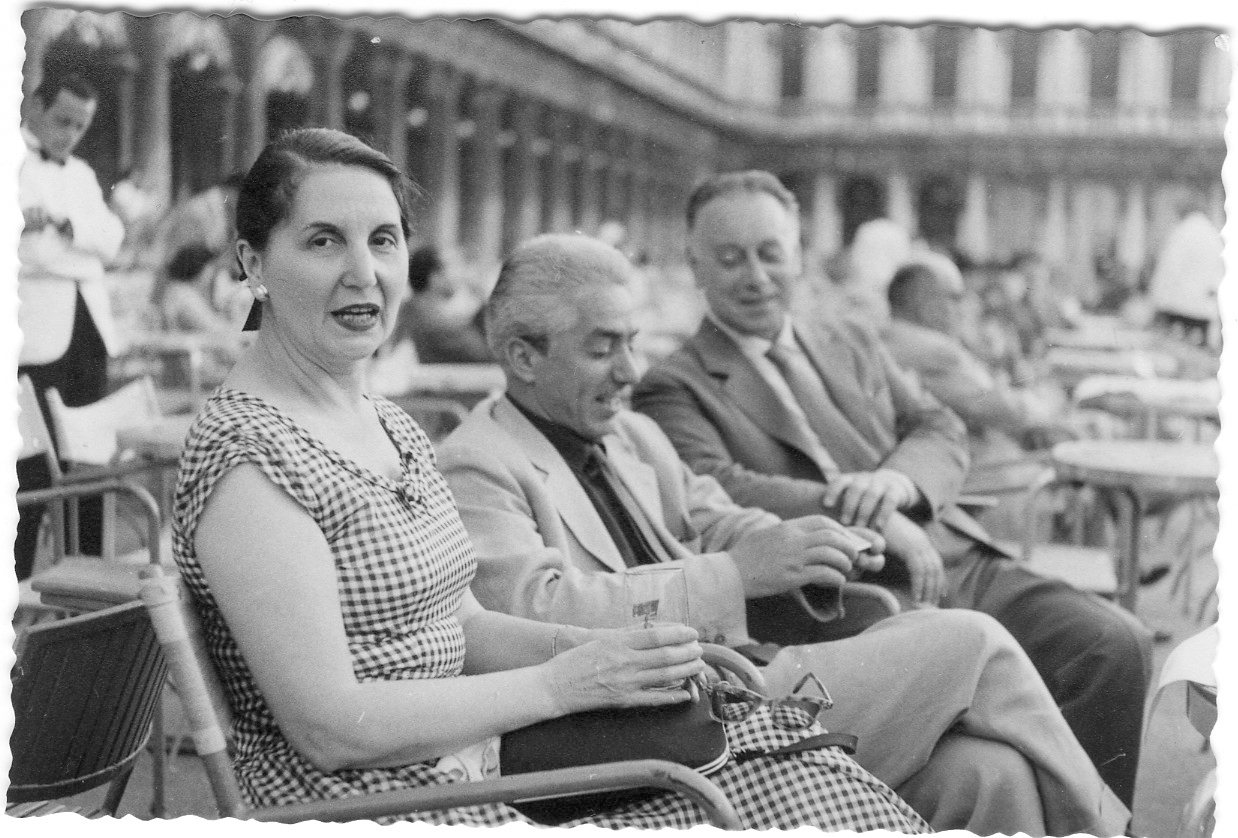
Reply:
x=69, y=235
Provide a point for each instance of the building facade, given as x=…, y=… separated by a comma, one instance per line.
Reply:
x=1070, y=143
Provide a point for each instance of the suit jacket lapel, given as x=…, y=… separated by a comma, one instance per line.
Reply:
x=746, y=389
x=568, y=495
x=642, y=483
x=861, y=446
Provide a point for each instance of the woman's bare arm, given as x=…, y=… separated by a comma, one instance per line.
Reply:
x=271, y=572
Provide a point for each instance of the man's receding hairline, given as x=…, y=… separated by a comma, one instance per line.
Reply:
x=700, y=210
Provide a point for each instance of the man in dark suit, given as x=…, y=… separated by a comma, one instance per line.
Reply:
x=799, y=418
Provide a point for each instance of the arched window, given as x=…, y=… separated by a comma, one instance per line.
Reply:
x=1024, y=66
x=200, y=91
x=868, y=64
x=1106, y=64
x=940, y=204
x=946, y=62
x=861, y=199
x=1186, y=56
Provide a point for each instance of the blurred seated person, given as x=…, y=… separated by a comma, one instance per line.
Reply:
x=205, y=218
x=184, y=306
x=880, y=245
x=184, y=299
x=441, y=317
x=923, y=335
x=325, y=556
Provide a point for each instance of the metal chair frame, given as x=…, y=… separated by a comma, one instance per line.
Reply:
x=207, y=715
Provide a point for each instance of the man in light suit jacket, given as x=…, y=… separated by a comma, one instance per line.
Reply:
x=799, y=418
x=69, y=234
x=563, y=489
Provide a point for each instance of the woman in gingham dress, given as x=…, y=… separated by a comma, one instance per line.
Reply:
x=331, y=571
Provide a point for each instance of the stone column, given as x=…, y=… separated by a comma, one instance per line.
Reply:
x=152, y=122
x=489, y=176
x=1215, y=73
x=525, y=175
x=973, y=235
x=1080, y=236
x=639, y=186
x=906, y=71
x=1063, y=81
x=825, y=231
x=1143, y=82
x=559, y=186
x=617, y=177
x=830, y=77
x=984, y=71
x=395, y=117
x=248, y=109
x=1053, y=241
x=327, y=98
x=900, y=206
x=1133, y=234
x=443, y=156
x=592, y=157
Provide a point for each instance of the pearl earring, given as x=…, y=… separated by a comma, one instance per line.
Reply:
x=261, y=294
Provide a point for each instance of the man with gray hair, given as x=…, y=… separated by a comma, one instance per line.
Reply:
x=801, y=417
x=564, y=491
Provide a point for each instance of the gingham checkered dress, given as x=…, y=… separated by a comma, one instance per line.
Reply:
x=402, y=561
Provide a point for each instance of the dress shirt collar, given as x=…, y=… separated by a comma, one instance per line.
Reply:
x=758, y=347
x=573, y=447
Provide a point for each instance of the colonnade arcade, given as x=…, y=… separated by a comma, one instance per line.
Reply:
x=189, y=99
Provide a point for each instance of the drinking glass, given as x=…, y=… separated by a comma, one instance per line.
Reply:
x=655, y=595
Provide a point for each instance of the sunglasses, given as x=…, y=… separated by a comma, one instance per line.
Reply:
x=730, y=703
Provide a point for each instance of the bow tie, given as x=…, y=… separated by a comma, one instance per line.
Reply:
x=49, y=159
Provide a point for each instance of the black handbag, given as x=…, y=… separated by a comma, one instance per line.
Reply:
x=685, y=733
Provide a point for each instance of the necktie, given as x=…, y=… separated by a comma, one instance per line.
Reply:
x=647, y=545
x=826, y=421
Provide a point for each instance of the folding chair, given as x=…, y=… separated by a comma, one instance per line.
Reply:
x=86, y=440
x=71, y=581
x=85, y=691
x=208, y=717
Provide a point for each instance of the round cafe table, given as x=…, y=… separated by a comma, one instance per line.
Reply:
x=159, y=440
x=1152, y=400
x=1071, y=365
x=1134, y=470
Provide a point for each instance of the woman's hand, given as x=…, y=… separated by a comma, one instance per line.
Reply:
x=626, y=669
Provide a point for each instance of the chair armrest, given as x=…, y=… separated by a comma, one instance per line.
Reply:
x=875, y=593
x=109, y=485
x=84, y=584
x=612, y=776
x=732, y=661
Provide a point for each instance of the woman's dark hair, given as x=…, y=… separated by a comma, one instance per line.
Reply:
x=268, y=190
x=423, y=263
